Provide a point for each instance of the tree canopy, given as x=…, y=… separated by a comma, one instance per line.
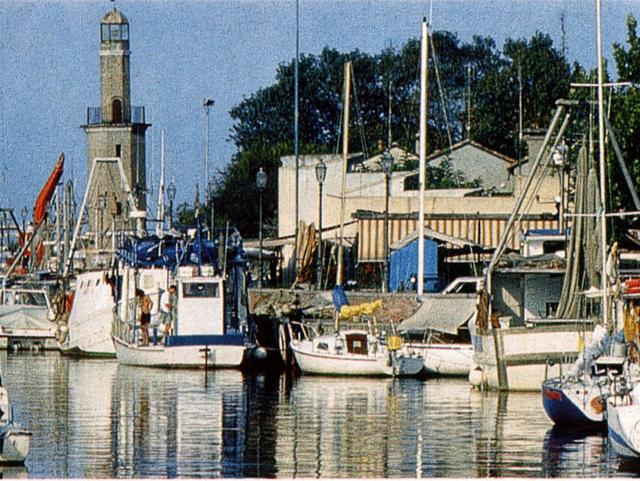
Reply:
x=474, y=92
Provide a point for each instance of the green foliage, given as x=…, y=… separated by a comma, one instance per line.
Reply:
x=474, y=74
x=625, y=119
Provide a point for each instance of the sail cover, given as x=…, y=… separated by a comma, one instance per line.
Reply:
x=442, y=313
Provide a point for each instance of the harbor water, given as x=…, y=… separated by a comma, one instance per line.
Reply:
x=95, y=418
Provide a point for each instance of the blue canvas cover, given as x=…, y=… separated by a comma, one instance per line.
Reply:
x=403, y=267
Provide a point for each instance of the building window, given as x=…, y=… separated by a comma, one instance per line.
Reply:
x=116, y=111
x=118, y=150
x=105, y=33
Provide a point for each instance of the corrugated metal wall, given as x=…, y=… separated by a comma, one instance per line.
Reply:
x=485, y=230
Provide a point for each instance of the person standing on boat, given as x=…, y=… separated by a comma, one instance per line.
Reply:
x=146, y=304
x=167, y=306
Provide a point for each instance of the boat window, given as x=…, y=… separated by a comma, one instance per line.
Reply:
x=97, y=282
x=199, y=289
x=466, y=288
x=323, y=346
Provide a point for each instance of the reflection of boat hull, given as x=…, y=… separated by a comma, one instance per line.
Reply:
x=623, y=422
x=355, y=364
x=445, y=359
x=521, y=358
x=15, y=445
x=192, y=356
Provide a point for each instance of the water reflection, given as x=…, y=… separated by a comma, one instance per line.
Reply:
x=99, y=419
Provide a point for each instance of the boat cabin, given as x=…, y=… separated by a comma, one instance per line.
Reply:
x=200, y=306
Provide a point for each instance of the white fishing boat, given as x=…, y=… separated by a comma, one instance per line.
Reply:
x=87, y=330
x=354, y=352
x=208, y=326
x=200, y=336
x=14, y=440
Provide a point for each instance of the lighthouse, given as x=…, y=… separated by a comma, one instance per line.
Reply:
x=115, y=134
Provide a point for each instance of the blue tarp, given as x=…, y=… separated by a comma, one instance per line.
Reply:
x=403, y=267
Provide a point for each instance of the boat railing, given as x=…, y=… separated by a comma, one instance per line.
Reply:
x=126, y=329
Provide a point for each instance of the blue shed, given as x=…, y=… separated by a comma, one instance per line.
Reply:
x=403, y=265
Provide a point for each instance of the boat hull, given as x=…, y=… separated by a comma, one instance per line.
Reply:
x=572, y=403
x=623, y=422
x=192, y=356
x=521, y=358
x=15, y=446
x=445, y=359
x=355, y=364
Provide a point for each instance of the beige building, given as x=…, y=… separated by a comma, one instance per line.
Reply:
x=115, y=130
x=450, y=211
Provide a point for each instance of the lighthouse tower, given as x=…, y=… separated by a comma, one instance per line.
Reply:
x=115, y=130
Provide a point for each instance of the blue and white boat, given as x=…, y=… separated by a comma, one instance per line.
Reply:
x=210, y=327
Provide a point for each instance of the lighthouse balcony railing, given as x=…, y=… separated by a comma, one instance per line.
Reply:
x=94, y=116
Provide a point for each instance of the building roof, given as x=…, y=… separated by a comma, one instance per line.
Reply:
x=114, y=16
x=400, y=158
x=443, y=152
x=435, y=235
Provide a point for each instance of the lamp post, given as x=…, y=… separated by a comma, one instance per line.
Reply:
x=261, y=183
x=211, y=188
x=207, y=104
x=321, y=174
x=171, y=195
x=387, y=164
x=102, y=204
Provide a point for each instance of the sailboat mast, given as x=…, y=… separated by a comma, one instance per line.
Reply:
x=160, y=224
x=423, y=151
x=603, y=218
x=345, y=153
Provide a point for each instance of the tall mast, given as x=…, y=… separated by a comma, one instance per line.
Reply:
x=603, y=218
x=423, y=151
x=296, y=140
x=160, y=224
x=345, y=153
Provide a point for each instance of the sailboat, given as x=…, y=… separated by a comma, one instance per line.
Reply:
x=353, y=352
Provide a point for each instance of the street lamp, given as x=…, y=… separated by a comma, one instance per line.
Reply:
x=261, y=183
x=321, y=174
x=211, y=190
x=171, y=195
x=387, y=164
x=207, y=104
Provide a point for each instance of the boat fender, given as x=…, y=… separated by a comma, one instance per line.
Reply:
x=477, y=377
x=597, y=405
x=62, y=333
x=259, y=353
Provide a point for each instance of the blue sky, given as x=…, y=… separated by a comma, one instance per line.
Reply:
x=185, y=50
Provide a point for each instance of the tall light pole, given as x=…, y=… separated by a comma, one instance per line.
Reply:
x=261, y=183
x=321, y=173
x=207, y=104
x=171, y=195
x=211, y=190
x=387, y=164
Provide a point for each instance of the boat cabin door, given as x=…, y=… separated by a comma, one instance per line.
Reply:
x=357, y=343
x=200, y=307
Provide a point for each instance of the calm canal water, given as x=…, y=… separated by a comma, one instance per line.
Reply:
x=94, y=418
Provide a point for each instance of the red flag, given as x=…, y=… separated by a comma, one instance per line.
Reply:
x=47, y=191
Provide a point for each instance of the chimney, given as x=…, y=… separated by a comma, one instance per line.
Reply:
x=534, y=138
